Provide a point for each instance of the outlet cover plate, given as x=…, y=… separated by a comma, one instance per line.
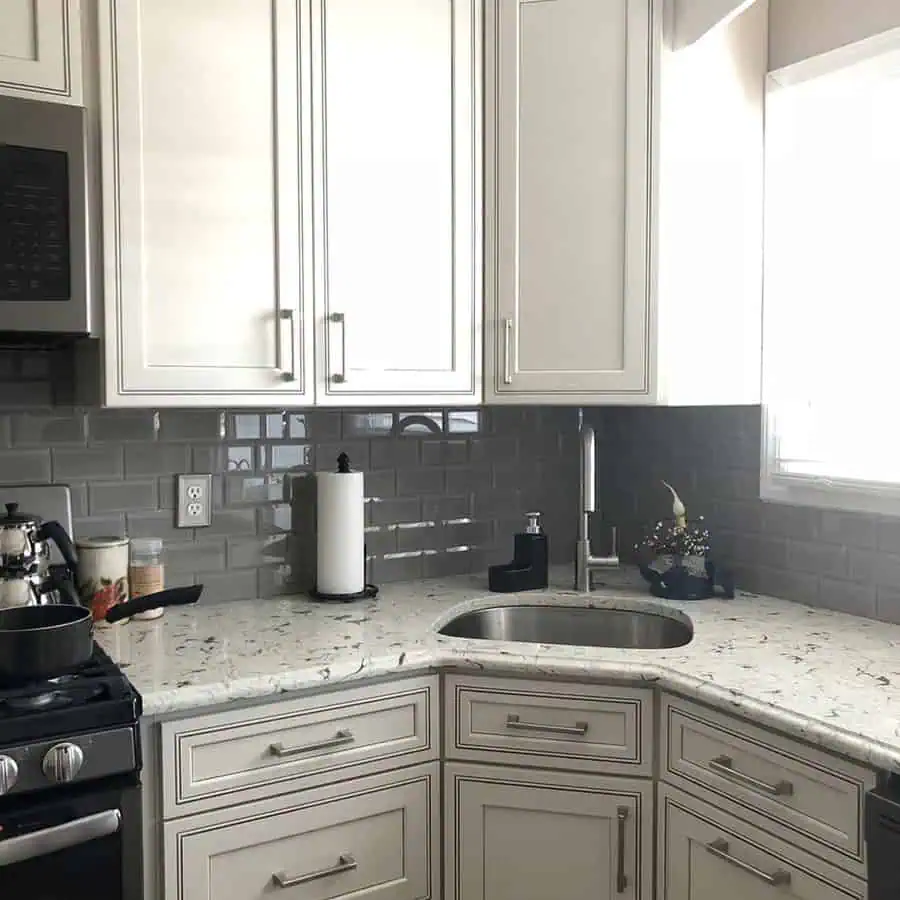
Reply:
x=193, y=508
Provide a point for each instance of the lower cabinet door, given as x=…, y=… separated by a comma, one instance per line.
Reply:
x=374, y=837
x=705, y=854
x=516, y=834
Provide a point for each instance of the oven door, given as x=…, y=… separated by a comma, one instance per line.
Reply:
x=73, y=844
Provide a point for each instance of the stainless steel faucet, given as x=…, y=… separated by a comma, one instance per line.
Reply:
x=585, y=563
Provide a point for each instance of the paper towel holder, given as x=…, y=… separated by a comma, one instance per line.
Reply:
x=369, y=590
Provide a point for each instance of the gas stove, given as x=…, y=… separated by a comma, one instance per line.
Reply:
x=72, y=729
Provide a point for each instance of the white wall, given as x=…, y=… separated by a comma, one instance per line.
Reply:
x=799, y=29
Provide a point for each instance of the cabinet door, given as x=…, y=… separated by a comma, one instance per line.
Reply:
x=701, y=850
x=517, y=835
x=568, y=100
x=397, y=107
x=205, y=201
x=40, y=50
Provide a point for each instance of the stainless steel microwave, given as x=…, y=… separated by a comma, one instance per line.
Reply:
x=45, y=276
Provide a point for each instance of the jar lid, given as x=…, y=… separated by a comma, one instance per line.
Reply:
x=148, y=545
x=100, y=543
x=15, y=518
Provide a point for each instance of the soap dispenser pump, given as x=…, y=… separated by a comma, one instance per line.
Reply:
x=528, y=570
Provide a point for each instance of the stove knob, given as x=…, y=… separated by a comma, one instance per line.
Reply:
x=63, y=762
x=9, y=774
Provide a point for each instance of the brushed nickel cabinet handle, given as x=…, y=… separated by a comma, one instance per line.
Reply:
x=507, y=350
x=345, y=863
x=719, y=848
x=724, y=766
x=579, y=729
x=341, y=738
x=340, y=319
x=621, y=879
x=287, y=315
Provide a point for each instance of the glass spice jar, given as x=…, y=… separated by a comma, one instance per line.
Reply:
x=146, y=572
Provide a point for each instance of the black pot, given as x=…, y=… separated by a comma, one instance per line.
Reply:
x=40, y=642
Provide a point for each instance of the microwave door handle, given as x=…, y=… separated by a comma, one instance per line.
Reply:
x=59, y=837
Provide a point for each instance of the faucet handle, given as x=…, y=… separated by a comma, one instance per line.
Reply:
x=614, y=540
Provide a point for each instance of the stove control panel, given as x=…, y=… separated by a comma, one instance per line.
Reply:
x=9, y=774
x=48, y=764
x=63, y=762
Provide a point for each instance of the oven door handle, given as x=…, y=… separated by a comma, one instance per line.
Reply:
x=59, y=837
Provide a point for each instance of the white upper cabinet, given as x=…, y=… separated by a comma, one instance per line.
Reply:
x=397, y=144
x=40, y=50
x=206, y=193
x=568, y=125
x=624, y=204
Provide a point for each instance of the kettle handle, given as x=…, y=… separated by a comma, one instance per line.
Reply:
x=56, y=533
x=58, y=580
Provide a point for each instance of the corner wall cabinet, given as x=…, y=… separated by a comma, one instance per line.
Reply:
x=40, y=50
x=287, y=182
x=623, y=221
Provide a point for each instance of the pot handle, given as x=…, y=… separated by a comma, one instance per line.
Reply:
x=56, y=533
x=173, y=597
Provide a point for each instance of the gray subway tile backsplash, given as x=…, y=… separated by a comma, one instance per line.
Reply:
x=424, y=470
x=21, y=466
x=841, y=560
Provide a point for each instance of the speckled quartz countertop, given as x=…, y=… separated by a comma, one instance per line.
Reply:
x=822, y=676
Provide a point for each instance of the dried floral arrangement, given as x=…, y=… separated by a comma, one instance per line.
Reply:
x=675, y=557
x=676, y=536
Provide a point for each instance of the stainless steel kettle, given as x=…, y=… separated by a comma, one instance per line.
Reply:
x=25, y=543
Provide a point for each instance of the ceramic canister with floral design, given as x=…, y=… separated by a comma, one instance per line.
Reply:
x=102, y=573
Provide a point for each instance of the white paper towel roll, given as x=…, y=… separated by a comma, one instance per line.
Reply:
x=340, y=525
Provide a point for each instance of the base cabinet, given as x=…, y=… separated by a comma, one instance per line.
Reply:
x=701, y=850
x=514, y=834
x=375, y=837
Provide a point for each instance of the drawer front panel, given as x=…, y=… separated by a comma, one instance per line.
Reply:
x=818, y=796
x=375, y=840
x=701, y=850
x=545, y=724
x=215, y=760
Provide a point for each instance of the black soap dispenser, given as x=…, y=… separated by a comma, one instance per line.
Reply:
x=528, y=570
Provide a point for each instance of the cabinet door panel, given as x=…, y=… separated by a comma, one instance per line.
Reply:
x=40, y=50
x=204, y=209
x=568, y=106
x=516, y=835
x=395, y=112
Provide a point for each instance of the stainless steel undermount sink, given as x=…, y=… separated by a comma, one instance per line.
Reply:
x=574, y=625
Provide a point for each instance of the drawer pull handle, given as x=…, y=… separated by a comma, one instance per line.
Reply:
x=579, y=729
x=345, y=863
x=724, y=765
x=621, y=880
x=341, y=738
x=719, y=848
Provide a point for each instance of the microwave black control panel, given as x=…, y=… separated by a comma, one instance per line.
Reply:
x=34, y=225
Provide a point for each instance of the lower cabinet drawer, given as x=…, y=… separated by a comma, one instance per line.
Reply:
x=549, y=724
x=223, y=759
x=376, y=839
x=704, y=853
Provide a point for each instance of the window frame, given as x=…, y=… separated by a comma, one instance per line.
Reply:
x=812, y=490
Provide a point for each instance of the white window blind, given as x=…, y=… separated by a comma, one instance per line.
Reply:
x=831, y=352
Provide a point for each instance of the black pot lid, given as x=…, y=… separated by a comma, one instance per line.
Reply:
x=14, y=518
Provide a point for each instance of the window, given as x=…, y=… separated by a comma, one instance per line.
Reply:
x=831, y=359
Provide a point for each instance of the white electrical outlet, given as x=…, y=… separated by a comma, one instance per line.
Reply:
x=194, y=507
